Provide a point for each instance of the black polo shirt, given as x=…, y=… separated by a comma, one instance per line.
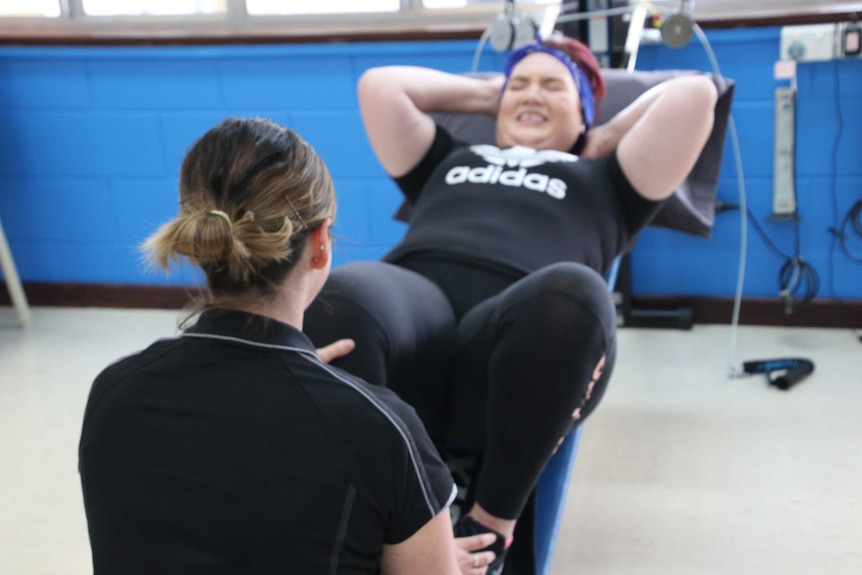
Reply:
x=234, y=449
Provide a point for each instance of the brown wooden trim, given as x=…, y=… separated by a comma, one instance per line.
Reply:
x=147, y=34
x=761, y=311
x=705, y=310
x=775, y=20
x=105, y=295
x=190, y=37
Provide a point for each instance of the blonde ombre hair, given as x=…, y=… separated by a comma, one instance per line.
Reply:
x=251, y=191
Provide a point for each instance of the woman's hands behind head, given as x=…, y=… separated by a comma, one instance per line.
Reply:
x=395, y=103
x=495, y=85
x=600, y=142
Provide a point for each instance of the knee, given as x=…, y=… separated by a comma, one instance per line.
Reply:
x=345, y=307
x=393, y=305
x=357, y=290
x=570, y=278
x=568, y=294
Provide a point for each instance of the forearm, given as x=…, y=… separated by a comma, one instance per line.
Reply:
x=659, y=150
x=670, y=92
x=429, y=551
x=395, y=102
x=431, y=90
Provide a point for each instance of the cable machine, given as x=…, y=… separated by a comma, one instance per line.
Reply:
x=613, y=30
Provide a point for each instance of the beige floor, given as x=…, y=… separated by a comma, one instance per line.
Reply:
x=681, y=471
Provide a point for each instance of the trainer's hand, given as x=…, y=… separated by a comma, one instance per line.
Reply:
x=470, y=560
x=335, y=350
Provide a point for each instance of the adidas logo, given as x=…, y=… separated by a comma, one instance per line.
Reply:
x=519, y=159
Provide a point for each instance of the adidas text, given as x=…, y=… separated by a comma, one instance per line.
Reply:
x=554, y=187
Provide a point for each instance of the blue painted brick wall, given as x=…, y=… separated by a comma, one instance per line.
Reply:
x=92, y=140
x=667, y=263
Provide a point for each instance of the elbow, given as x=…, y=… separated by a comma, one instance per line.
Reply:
x=376, y=90
x=696, y=90
x=703, y=93
x=370, y=83
x=372, y=76
x=694, y=99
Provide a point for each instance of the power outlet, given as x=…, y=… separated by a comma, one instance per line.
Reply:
x=849, y=43
x=809, y=43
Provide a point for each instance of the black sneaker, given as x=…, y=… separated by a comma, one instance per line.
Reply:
x=468, y=526
x=463, y=465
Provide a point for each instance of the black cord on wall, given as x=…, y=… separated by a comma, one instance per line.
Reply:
x=798, y=282
x=833, y=181
x=853, y=219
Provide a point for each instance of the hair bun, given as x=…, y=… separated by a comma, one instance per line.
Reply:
x=221, y=214
x=208, y=237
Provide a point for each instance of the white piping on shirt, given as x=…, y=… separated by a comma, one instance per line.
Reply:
x=394, y=419
x=452, y=496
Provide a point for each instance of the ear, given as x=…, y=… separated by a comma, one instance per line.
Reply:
x=320, y=245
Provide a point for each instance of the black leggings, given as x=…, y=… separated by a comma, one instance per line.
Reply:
x=503, y=366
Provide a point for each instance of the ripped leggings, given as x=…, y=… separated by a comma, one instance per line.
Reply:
x=499, y=365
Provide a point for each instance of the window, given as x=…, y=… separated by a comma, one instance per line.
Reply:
x=520, y=4
x=43, y=8
x=294, y=7
x=458, y=3
x=153, y=7
x=140, y=21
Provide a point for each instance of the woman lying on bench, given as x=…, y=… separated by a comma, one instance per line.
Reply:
x=491, y=317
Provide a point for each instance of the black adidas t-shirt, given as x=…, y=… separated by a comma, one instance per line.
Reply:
x=233, y=450
x=518, y=209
